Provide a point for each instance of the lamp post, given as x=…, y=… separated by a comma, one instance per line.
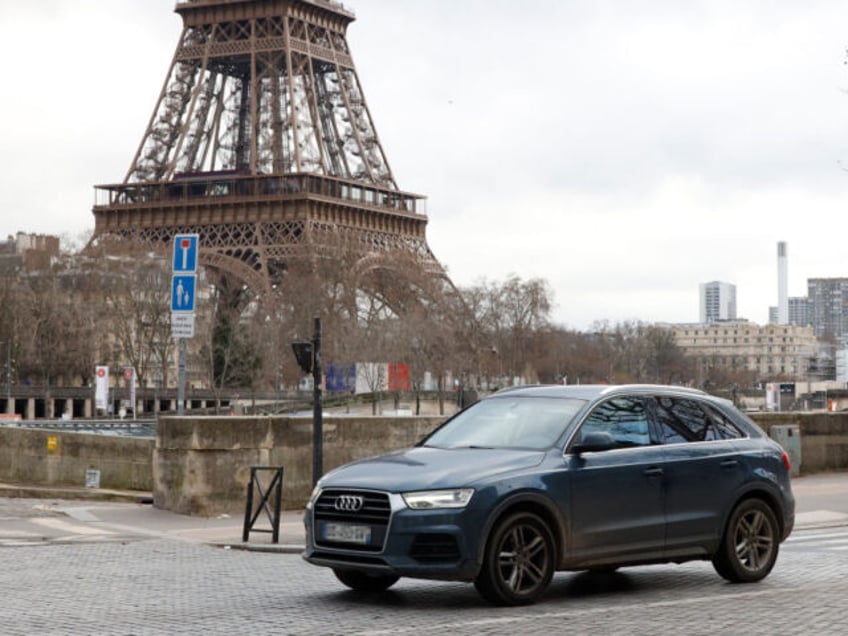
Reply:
x=308, y=356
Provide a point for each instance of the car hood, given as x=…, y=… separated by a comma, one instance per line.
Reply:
x=424, y=468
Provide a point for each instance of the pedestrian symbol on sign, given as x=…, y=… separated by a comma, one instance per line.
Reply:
x=182, y=293
x=183, y=298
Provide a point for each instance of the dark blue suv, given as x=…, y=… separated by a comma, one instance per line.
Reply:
x=533, y=480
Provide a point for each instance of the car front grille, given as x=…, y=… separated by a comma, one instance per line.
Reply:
x=374, y=513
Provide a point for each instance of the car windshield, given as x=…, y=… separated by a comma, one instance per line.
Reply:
x=508, y=422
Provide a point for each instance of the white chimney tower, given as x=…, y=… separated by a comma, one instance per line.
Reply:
x=782, y=285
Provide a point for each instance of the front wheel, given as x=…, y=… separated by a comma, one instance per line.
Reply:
x=364, y=582
x=519, y=561
x=749, y=547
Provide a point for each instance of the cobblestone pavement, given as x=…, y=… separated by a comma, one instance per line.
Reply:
x=165, y=586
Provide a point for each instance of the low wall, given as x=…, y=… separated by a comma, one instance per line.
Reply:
x=42, y=457
x=201, y=465
x=824, y=438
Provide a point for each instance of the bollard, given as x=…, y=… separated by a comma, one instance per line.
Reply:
x=274, y=492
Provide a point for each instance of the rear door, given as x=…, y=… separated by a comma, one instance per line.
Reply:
x=702, y=470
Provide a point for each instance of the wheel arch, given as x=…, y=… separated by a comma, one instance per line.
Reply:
x=534, y=503
x=764, y=495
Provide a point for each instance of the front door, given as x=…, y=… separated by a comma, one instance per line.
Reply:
x=616, y=503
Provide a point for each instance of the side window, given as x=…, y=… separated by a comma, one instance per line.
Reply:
x=724, y=427
x=625, y=418
x=682, y=420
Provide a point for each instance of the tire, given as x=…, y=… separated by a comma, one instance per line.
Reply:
x=518, y=562
x=750, y=544
x=364, y=582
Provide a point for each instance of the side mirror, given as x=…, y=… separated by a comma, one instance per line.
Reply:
x=594, y=442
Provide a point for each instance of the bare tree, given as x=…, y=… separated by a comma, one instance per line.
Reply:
x=512, y=314
x=136, y=290
x=43, y=354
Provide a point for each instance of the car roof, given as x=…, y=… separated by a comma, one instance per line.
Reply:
x=593, y=391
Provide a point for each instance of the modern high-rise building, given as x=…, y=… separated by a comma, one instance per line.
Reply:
x=799, y=313
x=782, y=285
x=828, y=307
x=717, y=301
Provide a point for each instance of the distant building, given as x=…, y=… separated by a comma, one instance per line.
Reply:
x=799, y=312
x=769, y=351
x=782, y=285
x=717, y=301
x=27, y=252
x=828, y=307
x=842, y=365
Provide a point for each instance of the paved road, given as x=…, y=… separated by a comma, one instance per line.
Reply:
x=163, y=586
x=93, y=568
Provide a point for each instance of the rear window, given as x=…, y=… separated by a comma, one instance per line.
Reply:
x=684, y=420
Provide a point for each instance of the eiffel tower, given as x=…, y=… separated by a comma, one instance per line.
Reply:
x=261, y=142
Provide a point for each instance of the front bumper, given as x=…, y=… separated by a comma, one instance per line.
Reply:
x=435, y=544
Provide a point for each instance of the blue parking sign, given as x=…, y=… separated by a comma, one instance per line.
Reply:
x=183, y=289
x=185, y=253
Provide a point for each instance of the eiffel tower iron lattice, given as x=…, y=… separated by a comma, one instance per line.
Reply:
x=261, y=142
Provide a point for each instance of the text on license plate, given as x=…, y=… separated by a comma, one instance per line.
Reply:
x=347, y=533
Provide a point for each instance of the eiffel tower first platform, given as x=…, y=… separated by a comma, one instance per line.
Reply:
x=261, y=142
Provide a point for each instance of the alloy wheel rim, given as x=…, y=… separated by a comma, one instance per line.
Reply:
x=523, y=559
x=754, y=540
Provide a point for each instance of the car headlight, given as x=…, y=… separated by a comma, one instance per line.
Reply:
x=431, y=499
x=315, y=494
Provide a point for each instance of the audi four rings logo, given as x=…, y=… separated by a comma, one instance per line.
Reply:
x=348, y=503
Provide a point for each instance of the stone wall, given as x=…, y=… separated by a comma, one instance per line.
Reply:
x=201, y=465
x=824, y=438
x=42, y=457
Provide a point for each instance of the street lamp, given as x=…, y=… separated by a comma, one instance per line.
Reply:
x=308, y=355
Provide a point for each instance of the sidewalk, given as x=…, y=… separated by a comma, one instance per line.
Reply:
x=822, y=502
x=132, y=513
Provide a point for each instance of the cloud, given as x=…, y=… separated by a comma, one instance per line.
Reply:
x=624, y=151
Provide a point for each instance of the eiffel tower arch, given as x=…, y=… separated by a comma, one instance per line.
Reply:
x=261, y=142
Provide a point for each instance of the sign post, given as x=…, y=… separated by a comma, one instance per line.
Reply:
x=101, y=388
x=183, y=292
x=129, y=382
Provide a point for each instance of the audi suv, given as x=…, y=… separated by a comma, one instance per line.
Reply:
x=534, y=480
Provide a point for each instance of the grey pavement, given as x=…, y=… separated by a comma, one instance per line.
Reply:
x=31, y=515
x=106, y=564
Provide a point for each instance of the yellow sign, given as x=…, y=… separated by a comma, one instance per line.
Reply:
x=52, y=444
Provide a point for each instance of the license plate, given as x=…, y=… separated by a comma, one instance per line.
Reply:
x=347, y=533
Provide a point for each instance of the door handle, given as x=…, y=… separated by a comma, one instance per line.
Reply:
x=653, y=472
x=730, y=463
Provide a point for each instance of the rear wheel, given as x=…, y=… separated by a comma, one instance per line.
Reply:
x=519, y=561
x=750, y=544
x=364, y=582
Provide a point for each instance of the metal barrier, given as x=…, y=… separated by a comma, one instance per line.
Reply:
x=274, y=490
x=124, y=428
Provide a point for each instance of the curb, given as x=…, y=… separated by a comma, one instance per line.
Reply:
x=281, y=548
x=72, y=493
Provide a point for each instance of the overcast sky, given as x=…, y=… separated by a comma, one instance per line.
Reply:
x=623, y=151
